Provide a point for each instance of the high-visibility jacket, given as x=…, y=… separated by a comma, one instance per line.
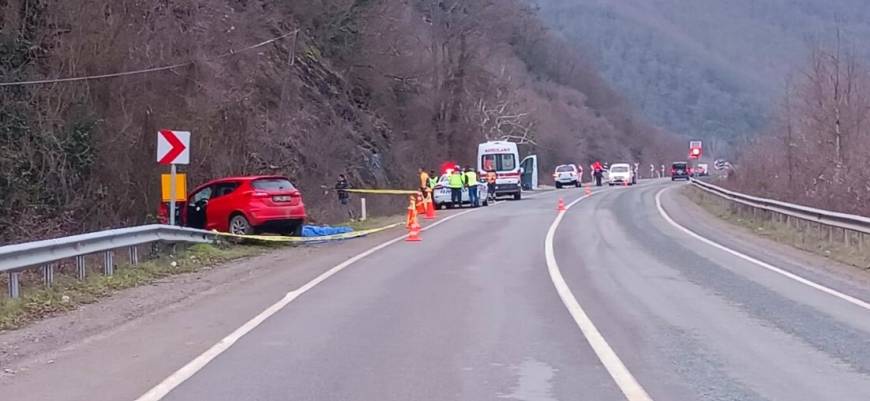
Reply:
x=455, y=181
x=433, y=182
x=424, y=179
x=470, y=178
x=491, y=177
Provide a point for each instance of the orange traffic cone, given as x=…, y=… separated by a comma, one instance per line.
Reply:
x=412, y=214
x=420, y=203
x=414, y=234
x=561, y=207
x=430, y=208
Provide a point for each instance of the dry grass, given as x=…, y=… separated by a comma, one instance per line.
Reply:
x=848, y=248
x=37, y=302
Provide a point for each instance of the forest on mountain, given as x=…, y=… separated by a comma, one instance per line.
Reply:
x=309, y=89
x=816, y=150
x=708, y=69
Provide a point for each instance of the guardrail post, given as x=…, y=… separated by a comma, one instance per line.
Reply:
x=133, y=252
x=48, y=275
x=14, y=285
x=108, y=263
x=81, y=271
x=363, y=214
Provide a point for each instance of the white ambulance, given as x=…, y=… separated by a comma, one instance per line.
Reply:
x=504, y=158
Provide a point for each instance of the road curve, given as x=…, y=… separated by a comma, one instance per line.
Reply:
x=472, y=313
x=693, y=322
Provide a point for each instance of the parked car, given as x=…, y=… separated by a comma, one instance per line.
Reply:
x=567, y=174
x=442, y=195
x=246, y=205
x=620, y=174
x=680, y=171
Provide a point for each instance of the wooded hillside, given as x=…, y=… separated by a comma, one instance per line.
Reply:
x=709, y=69
x=371, y=88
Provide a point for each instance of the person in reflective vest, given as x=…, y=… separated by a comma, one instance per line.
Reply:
x=491, y=178
x=433, y=182
x=455, y=182
x=471, y=183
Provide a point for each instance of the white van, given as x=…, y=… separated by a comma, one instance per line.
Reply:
x=504, y=158
x=621, y=174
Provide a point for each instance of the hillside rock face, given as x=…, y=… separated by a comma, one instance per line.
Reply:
x=372, y=89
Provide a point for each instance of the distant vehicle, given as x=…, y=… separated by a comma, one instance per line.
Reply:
x=246, y=205
x=567, y=174
x=702, y=170
x=620, y=174
x=680, y=171
x=504, y=158
x=442, y=195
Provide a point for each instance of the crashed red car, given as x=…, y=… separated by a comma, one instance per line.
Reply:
x=246, y=205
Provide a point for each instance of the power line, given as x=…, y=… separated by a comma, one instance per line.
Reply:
x=144, y=71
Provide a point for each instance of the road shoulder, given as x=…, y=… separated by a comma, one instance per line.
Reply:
x=818, y=268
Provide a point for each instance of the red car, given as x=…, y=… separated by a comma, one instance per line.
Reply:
x=245, y=205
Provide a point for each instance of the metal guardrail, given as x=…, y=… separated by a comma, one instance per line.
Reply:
x=44, y=254
x=848, y=223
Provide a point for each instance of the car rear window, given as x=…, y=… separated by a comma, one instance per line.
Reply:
x=619, y=169
x=272, y=184
x=565, y=169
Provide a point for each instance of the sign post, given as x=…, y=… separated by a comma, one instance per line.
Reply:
x=173, y=148
x=695, y=149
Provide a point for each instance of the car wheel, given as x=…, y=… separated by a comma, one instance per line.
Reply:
x=577, y=184
x=518, y=196
x=485, y=202
x=296, y=229
x=239, y=225
x=558, y=185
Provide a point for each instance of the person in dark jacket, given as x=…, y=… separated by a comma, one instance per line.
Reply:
x=341, y=187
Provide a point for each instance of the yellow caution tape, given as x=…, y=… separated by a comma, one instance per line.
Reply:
x=283, y=238
x=382, y=191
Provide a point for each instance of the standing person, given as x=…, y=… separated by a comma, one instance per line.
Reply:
x=598, y=172
x=455, y=182
x=433, y=182
x=652, y=171
x=579, y=175
x=341, y=187
x=471, y=183
x=491, y=177
x=424, y=181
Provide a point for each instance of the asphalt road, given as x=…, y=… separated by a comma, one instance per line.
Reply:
x=471, y=313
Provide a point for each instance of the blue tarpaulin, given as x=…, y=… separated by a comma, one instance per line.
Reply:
x=322, y=231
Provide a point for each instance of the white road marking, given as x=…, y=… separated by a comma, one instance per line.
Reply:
x=187, y=371
x=795, y=277
x=626, y=382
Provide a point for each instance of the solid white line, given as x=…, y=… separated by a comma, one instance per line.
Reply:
x=187, y=371
x=626, y=382
x=795, y=277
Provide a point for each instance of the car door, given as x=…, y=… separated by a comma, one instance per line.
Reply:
x=221, y=205
x=197, y=207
